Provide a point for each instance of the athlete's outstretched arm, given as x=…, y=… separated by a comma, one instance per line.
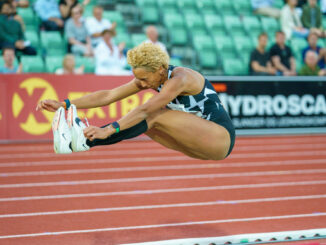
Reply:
x=171, y=90
x=95, y=99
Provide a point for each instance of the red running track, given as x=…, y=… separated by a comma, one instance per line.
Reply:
x=139, y=192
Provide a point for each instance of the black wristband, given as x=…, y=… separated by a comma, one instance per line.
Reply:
x=67, y=103
x=116, y=126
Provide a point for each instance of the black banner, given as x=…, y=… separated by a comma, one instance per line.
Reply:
x=273, y=104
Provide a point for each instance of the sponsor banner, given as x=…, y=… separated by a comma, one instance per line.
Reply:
x=275, y=105
x=21, y=93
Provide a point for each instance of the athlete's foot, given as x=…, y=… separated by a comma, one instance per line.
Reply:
x=77, y=127
x=61, y=133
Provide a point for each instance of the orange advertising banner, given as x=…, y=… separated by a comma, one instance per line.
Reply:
x=20, y=94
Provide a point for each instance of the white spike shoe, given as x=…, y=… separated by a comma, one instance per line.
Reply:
x=61, y=133
x=76, y=126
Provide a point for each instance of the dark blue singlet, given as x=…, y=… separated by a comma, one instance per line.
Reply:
x=206, y=105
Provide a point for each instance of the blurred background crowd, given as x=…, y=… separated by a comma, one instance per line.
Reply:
x=216, y=37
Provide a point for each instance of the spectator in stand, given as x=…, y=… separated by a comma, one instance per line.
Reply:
x=48, y=11
x=265, y=7
x=290, y=21
x=109, y=58
x=321, y=52
x=310, y=67
x=18, y=4
x=8, y=54
x=11, y=32
x=282, y=57
x=68, y=66
x=67, y=5
x=77, y=35
x=260, y=64
x=152, y=37
x=96, y=25
x=311, y=18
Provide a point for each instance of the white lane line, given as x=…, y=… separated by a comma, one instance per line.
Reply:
x=266, y=218
x=172, y=190
x=115, y=152
x=169, y=167
x=164, y=178
x=89, y=153
x=161, y=158
x=174, y=205
x=97, y=161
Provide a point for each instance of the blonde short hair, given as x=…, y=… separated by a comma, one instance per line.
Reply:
x=148, y=56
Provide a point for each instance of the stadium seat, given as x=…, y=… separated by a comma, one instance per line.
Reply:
x=138, y=38
x=124, y=37
x=206, y=7
x=195, y=24
x=32, y=64
x=88, y=62
x=203, y=42
x=176, y=27
x=28, y=16
x=243, y=44
x=242, y=7
x=168, y=6
x=187, y=6
x=208, y=59
x=52, y=63
x=252, y=25
x=33, y=38
x=225, y=47
x=270, y=24
x=224, y=7
x=279, y=4
x=115, y=16
x=215, y=24
x=53, y=43
x=298, y=44
x=234, y=67
x=146, y=3
x=150, y=15
x=234, y=25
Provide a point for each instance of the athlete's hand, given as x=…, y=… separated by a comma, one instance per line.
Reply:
x=49, y=105
x=93, y=132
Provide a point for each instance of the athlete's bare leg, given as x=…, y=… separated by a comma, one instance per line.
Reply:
x=189, y=134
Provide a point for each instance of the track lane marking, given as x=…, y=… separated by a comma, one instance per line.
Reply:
x=172, y=190
x=165, y=178
x=266, y=218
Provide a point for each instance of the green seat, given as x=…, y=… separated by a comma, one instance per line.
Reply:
x=206, y=7
x=115, y=16
x=148, y=3
x=176, y=27
x=207, y=59
x=203, y=42
x=52, y=63
x=252, y=25
x=243, y=44
x=298, y=44
x=168, y=6
x=195, y=24
x=245, y=57
x=124, y=37
x=242, y=7
x=175, y=62
x=33, y=38
x=28, y=16
x=187, y=6
x=270, y=24
x=88, y=62
x=215, y=24
x=234, y=67
x=224, y=7
x=138, y=38
x=53, y=43
x=225, y=47
x=233, y=25
x=279, y=4
x=150, y=15
x=32, y=64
